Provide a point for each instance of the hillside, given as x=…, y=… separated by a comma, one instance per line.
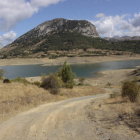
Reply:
x=61, y=37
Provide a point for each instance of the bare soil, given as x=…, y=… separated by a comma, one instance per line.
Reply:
x=70, y=60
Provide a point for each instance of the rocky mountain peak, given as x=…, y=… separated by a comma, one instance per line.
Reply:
x=81, y=26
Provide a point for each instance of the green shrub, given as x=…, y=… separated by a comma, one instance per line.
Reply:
x=69, y=85
x=20, y=80
x=37, y=83
x=130, y=89
x=60, y=82
x=51, y=83
x=108, y=84
x=67, y=76
x=61, y=94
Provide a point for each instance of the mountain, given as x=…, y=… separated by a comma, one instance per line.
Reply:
x=62, y=37
x=80, y=26
x=61, y=32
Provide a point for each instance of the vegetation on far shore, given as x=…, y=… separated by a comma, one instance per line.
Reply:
x=67, y=41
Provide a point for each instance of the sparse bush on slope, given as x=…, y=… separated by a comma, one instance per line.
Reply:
x=130, y=89
x=81, y=80
x=51, y=83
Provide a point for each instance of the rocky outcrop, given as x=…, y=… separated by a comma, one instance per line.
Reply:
x=81, y=26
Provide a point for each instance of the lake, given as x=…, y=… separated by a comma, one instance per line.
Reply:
x=81, y=70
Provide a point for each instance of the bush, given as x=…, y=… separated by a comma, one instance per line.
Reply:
x=130, y=89
x=37, y=83
x=51, y=83
x=6, y=81
x=81, y=80
x=69, y=85
x=108, y=84
x=20, y=80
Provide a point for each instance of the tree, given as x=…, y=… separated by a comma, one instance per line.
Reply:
x=66, y=74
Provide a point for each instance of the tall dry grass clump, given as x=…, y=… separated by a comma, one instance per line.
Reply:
x=18, y=97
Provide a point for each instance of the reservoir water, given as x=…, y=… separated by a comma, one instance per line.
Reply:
x=81, y=70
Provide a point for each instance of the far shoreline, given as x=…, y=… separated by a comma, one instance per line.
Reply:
x=61, y=60
x=103, y=77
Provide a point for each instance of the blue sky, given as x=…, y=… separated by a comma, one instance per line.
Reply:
x=111, y=17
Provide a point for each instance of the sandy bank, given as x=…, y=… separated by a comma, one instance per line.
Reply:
x=70, y=60
x=115, y=77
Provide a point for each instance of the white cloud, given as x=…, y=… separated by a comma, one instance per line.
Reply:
x=1, y=46
x=109, y=26
x=100, y=15
x=13, y=11
x=43, y=3
x=136, y=21
x=7, y=37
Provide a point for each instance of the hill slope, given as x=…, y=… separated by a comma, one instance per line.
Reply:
x=39, y=37
x=64, y=35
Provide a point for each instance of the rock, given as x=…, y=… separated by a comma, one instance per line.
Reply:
x=81, y=26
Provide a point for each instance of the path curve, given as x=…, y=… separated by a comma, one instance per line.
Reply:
x=64, y=120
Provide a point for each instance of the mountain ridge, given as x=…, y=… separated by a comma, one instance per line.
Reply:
x=66, y=35
x=81, y=26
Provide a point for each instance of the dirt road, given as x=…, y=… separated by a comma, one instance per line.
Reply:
x=64, y=120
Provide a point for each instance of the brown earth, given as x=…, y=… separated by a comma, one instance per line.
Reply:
x=70, y=60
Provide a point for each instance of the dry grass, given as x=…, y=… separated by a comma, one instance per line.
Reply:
x=129, y=112
x=82, y=91
x=17, y=97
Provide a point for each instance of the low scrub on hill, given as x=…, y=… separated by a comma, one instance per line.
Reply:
x=130, y=89
x=65, y=41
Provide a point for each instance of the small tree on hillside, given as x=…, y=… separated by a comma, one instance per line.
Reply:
x=66, y=73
